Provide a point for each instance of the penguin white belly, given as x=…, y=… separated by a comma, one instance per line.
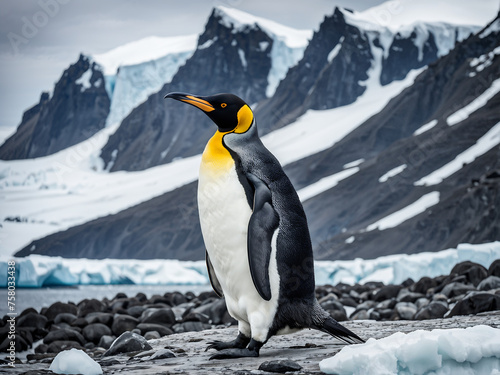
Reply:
x=224, y=217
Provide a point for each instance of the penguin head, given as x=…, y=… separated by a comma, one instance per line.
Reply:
x=227, y=111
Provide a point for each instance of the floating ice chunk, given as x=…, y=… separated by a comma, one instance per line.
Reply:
x=474, y=350
x=75, y=361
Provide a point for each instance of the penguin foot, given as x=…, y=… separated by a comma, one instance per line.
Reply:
x=235, y=353
x=239, y=342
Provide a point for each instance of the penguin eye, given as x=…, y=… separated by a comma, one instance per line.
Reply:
x=223, y=105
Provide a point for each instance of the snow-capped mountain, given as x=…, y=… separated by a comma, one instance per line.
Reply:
x=373, y=125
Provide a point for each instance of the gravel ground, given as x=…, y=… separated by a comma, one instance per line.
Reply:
x=307, y=348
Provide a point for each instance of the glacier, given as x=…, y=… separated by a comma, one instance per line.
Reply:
x=473, y=350
x=37, y=271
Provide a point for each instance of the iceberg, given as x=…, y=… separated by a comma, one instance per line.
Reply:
x=36, y=271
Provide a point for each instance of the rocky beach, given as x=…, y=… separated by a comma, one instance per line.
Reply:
x=169, y=333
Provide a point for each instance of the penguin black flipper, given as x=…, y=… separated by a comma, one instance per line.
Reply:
x=263, y=223
x=213, y=277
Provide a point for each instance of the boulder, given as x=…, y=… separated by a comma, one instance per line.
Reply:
x=58, y=308
x=128, y=342
x=32, y=319
x=60, y=345
x=456, y=289
x=434, y=310
x=148, y=327
x=491, y=282
x=100, y=317
x=405, y=310
x=152, y=335
x=163, y=316
x=123, y=323
x=162, y=354
x=65, y=318
x=106, y=341
x=476, y=303
x=93, y=332
x=280, y=366
x=474, y=272
x=387, y=292
x=89, y=306
x=64, y=335
x=494, y=269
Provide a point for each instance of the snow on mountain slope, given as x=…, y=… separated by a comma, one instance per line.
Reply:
x=288, y=43
x=50, y=194
x=394, y=14
x=144, y=50
x=318, y=130
x=138, y=69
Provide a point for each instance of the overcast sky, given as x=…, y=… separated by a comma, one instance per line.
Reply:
x=40, y=38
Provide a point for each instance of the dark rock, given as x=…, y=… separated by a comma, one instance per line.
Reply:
x=423, y=285
x=387, y=292
x=27, y=311
x=164, y=316
x=65, y=318
x=494, y=269
x=215, y=311
x=157, y=299
x=151, y=335
x=360, y=315
x=100, y=317
x=491, y=282
x=58, y=308
x=385, y=314
x=456, y=289
x=473, y=271
x=123, y=323
x=21, y=344
x=421, y=303
x=348, y=301
x=136, y=311
x=64, y=335
x=32, y=319
x=60, y=345
x=89, y=306
x=476, y=303
x=190, y=327
x=196, y=317
x=41, y=349
x=79, y=322
x=162, y=354
x=406, y=296
x=434, y=310
x=161, y=329
x=109, y=362
x=405, y=310
x=280, y=366
x=94, y=332
x=128, y=342
x=387, y=304
x=178, y=298
x=106, y=341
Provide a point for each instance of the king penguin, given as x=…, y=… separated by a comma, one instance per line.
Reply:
x=258, y=248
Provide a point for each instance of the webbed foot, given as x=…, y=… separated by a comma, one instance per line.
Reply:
x=235, y=353
x=239, y=342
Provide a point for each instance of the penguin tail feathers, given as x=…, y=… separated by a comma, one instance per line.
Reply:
x=332, y=327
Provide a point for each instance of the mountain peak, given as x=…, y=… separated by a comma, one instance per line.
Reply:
x=239, y=21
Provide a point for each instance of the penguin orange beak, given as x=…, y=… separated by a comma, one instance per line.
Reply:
x=196, y=101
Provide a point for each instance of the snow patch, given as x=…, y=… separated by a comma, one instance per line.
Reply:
x=473, y=350
x=393, y=172
x=84, y=80
x=488, y=141
x=324, y=184
x=243, y=59
x=406, y=213
x=354, y=163
x=463, y=113
x=335, y=51
x=209, y=42
x=493, y=28
x=482, y=62
x=425, y=127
